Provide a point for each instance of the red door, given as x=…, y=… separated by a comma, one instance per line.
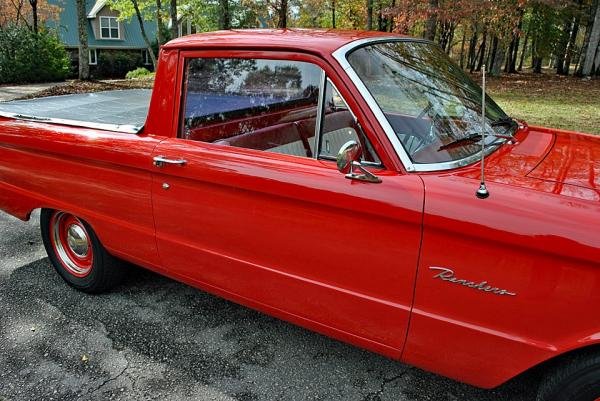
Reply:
x=292, y=236
x=253, y=215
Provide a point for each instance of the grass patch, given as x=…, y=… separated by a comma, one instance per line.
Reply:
x=549, y=100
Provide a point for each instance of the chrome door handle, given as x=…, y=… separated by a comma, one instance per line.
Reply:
x=160, y=161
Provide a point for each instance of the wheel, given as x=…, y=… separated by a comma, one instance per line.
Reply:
x=576, y=379
x=77, y=254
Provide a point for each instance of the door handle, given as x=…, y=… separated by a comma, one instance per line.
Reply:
x=160, y=161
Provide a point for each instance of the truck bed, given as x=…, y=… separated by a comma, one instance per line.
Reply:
x=119, y=110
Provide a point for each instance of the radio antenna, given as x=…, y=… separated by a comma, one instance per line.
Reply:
x=482, y=192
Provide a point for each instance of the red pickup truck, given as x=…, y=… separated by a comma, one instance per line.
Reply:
x=328, y=178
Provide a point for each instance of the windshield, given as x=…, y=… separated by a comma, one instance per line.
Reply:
x=432, y=105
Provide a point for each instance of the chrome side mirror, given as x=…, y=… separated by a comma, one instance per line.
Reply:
x=348, y=160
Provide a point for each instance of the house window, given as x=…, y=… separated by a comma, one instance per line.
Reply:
x=93, y=57
x=109, y=28
x=146, y=57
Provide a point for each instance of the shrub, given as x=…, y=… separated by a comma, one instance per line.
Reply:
x=116, y=63
x=27, y=57
x=139, y=72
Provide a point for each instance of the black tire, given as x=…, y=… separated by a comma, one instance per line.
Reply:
x=575, y=379
x=77, y=254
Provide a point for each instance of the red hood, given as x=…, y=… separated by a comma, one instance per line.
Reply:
x=549, y=160
x=574, y=159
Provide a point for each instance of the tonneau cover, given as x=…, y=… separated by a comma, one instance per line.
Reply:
x=120, y=110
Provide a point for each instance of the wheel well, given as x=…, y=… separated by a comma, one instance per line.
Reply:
x=32, y=211
x=541, y=368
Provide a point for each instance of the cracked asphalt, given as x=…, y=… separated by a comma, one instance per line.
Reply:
x=152, y=338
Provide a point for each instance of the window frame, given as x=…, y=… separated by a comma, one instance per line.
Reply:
x=95, y=53
x=110, y=28
x=319, y=125
x=328, y=72
x=146, y=57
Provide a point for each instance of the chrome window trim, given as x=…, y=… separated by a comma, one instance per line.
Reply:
x=341, y=54
x=320, y=105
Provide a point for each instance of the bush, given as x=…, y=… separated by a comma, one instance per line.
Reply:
x=27, y=57
x=116, y=63
x=140, y=72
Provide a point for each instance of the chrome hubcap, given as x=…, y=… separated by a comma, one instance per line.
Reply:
x=72, y=244
x=77, y=240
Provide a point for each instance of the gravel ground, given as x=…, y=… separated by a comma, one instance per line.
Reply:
x=153, y=338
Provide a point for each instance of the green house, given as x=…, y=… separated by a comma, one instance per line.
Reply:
x=106, y=34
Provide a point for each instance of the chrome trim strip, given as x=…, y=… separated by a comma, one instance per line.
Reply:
x=123, y=128
x=320, y=105
x=340, y=55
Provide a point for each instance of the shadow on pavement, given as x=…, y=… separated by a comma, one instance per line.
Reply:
x=154, y=338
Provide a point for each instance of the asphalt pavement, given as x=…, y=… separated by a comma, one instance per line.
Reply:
x=11, y=92
x=152, y=338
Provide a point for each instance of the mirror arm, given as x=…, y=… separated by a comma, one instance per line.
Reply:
x=366, y=175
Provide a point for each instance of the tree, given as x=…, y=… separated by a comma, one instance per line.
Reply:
x=431, y=24
x=140, y=19
x=369, y=15
x=34, y=12
x=15, y=12
x=141, y=9
x=174, y=22
x=283, y=12
x=159, y=23
x=591, y=61
x=224, y=17
x=84, y=67
x=332, y=7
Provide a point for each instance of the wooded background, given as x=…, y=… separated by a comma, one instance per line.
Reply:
x=505, y=35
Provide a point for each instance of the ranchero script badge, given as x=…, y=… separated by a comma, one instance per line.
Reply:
x=446, y=274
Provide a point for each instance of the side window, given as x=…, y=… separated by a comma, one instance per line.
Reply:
x=339, y=125
x=261, y=104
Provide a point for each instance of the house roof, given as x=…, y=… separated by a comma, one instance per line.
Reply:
x=99, y=5
x=66, y=27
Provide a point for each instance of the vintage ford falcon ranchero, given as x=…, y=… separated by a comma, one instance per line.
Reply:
x=233, y=185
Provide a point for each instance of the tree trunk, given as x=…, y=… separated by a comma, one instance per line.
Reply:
x=224, y=18
x=379, y=16
x=18, y=7
x=496, y=66
x=333, y=14
x=472, y=47
x=174, y=24
x=561, y=49
x=431, y=24
x=492, y=53
x=34, y=12
x=511, y=50
x=143, y=30
x=159, y=24
x=391, y=18
x=571, y=45
x=586, y=39
x=369, y=15
x=481, y=52
x=84, y=66
x=283, y=10
x=523, y=51
x=593, y=44
x=536, y=64
x=512, y=65
x=462, y=48
x=597, y=61
x=450, y=38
